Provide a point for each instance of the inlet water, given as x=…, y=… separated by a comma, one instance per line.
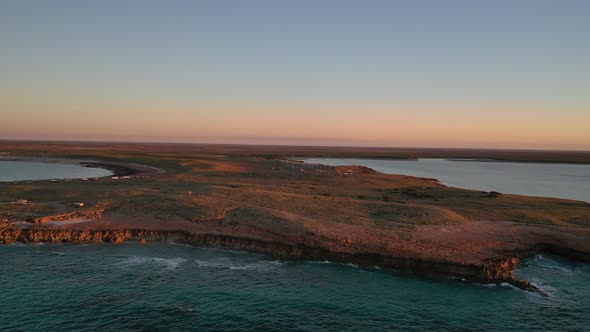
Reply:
x=24, y=170
x=167, y=287
x=571, y=181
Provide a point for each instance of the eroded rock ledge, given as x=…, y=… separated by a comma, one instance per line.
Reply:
x=498, y=269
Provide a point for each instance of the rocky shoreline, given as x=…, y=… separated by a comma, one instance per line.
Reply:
x=495, y=270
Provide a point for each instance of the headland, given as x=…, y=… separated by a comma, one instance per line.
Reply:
x=255, y=198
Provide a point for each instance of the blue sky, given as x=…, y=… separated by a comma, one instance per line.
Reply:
x=493, y=73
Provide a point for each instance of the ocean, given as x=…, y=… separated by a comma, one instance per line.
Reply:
x=167, y=287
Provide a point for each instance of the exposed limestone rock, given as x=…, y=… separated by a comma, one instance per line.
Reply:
x=498, y=269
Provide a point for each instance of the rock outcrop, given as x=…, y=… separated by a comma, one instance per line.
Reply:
x=498, y=269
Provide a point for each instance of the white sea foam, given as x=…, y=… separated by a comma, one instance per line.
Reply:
x=505, y=284
x=225, y=263
x=222, y=263
x=559, y=268
x=544, y=291
x=320, y=262
x=355, y=266
x=544, y=288
x=492, y=285
x=261, y=266
x=169, y=263
x=179, y=244
x=351, y=265
x=186, y=309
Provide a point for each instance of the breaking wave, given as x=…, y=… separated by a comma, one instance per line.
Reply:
x=169, y=263
x=226, y=263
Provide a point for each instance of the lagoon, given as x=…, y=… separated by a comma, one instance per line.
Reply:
x=570, y=181
x=27, y=170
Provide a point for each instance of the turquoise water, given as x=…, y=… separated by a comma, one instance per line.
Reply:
x=534, y=179
x=131, y=287
x=24, y=170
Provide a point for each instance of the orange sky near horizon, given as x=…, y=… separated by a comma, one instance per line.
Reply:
x=455, y=73
x=357, y=125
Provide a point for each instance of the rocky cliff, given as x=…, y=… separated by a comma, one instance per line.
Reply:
x=498, y=269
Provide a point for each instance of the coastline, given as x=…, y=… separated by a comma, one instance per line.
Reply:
x=483, y=160
x=492, y=160
x=294, y=211
x=495, y=270
x=495, y=267
x=549, y=172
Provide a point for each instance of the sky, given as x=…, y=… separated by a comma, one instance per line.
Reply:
x=472, y=74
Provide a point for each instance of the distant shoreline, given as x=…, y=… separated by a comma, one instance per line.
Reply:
x=450, y=173
x=277, y=151
x=485, y=160
x=490, y=160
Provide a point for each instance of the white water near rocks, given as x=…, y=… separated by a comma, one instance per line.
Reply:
x=163, y=287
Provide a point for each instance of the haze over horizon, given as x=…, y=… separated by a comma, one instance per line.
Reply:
x=496, y=74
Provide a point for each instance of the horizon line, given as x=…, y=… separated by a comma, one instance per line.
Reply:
x=286, y=145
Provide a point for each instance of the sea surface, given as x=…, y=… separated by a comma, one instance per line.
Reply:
x=25, y=170
x=166, y=287
x=571, y=181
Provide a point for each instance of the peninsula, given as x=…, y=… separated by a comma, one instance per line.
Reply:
x=259, y=199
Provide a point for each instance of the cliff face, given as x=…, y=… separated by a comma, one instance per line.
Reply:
x=498, y=269
x=62, y=235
